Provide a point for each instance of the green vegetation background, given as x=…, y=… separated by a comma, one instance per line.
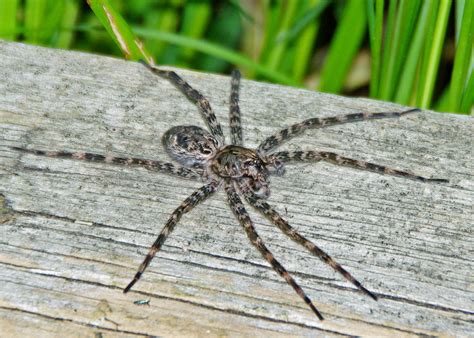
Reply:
x=414, y=52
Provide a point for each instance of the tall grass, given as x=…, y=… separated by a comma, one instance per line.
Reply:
x=420, y=52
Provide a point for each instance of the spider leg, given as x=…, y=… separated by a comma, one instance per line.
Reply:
x=152, y=165
x=274, y=217
x=195, y=96
x=235, y=124
x=287, y=156
x=317, y=122
x=244, y=219
x=195, y=198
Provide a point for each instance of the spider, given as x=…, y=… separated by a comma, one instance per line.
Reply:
x=243, y=172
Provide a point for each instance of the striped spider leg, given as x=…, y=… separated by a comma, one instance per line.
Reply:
x=274, y=217
x=234, y=110
x=319, y=122
x=195, y=96
x=310, y=155
x=186, y=206
x=239, y=210
x=152, y=165
x=296, y=129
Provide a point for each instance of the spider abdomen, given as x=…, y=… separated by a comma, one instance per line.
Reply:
x=190, y=145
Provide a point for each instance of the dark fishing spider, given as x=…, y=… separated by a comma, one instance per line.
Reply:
x=242, y=171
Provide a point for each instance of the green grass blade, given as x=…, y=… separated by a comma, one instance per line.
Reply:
x=34, y=20
x=459, y=8
x=403, y=30
x=435, y=53
x=305, y=32
x=375, y=24
x=54, y=13
x=195, y=20
x=8, y=22
x=407, y=81
x=165, y=19
x=272, y=10
x=306, y=18
x=347, y=39
x=388, y=44
x=280, y=47
x=69, y=17
x=467, y=101
x=462, y=57
x=424, y=61
x=441, y=105
x=224, y=30
x=118, y=29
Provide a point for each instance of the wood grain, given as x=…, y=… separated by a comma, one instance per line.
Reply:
x=73, y=233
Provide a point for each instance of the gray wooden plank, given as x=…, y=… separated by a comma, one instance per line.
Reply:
x=73, y=233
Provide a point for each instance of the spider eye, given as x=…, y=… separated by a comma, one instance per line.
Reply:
x=248, y=163
x=182, y=139
x=213, y=140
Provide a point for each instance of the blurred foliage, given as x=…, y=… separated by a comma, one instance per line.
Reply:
x=413, y=52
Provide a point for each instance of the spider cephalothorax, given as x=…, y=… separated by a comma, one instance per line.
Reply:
x=244, y=166
x=244, y=172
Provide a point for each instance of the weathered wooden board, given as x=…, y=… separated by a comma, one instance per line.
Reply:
x=73, y=233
